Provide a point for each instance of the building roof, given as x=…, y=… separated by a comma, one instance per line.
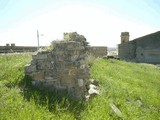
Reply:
x=149, y=35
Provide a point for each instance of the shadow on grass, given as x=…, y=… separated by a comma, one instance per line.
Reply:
x=52, y=100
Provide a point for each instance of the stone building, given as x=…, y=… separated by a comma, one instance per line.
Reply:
x=13, y=48
x=97, y=51
x=143, y=49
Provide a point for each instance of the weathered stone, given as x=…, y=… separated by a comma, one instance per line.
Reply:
x=74, y=58
x=80, y=82
x=33, y=82
x=94, y=82
x=82, y=62
x=67, y=80
x=49, y=78
x=40, y=56
x=72, y=72
x=139, y=102
x=97, y=51
x=116, y=110
x=82, y=66
x=60, y=65
x=64, y=67
x=43, y=65
x=60, y=58
x=38, y=76
x=30, y=68
x=93, y=90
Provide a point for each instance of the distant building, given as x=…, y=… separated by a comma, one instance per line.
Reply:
x=143, y=49
x=13, y=48
x=97, y=51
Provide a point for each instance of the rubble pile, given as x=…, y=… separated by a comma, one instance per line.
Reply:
x=63, y=68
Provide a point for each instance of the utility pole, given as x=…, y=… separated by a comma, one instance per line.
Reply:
x=38, y=39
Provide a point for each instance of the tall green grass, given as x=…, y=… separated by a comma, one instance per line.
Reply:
x=132, y=88
x=11, y=68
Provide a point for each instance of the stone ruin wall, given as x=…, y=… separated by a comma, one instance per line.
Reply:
x=63, y=68
x=97, y=51
x=13, y=48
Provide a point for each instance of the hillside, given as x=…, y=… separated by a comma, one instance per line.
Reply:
x=129, y=91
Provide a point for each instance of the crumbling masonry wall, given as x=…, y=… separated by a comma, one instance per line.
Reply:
x=63, y=68
x=97, y=51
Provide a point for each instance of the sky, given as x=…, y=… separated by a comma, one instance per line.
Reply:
x=100, y=21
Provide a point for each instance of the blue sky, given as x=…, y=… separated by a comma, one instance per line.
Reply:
x=100, y=21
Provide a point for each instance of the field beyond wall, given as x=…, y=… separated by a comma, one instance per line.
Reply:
x=128, y=91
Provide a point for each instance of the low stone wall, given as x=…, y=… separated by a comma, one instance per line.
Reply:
x=97, y=51
x=9, y=49
x=63, y=68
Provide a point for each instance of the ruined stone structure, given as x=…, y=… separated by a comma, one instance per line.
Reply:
x=63, y=68
x=97, y=51
x=144, y=49
x=12, y=48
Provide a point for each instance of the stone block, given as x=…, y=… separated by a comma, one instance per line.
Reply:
x=30, y=68
x=50, y=73
x=59, y=65
x=74, y=58
x=50, y=84
x=70, y=52
x=72, y=45
x=80, y=82
x=44, y=65
x=69, y=64
x=50, y=79
x=50, y=56
x=38, y=76
x=58, y=52
x=83, y=66
x=67, y=80
x=60, y=57
x=39, y=56
x=72, y=72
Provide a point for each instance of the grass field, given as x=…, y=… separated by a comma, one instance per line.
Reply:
x=134, y=89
